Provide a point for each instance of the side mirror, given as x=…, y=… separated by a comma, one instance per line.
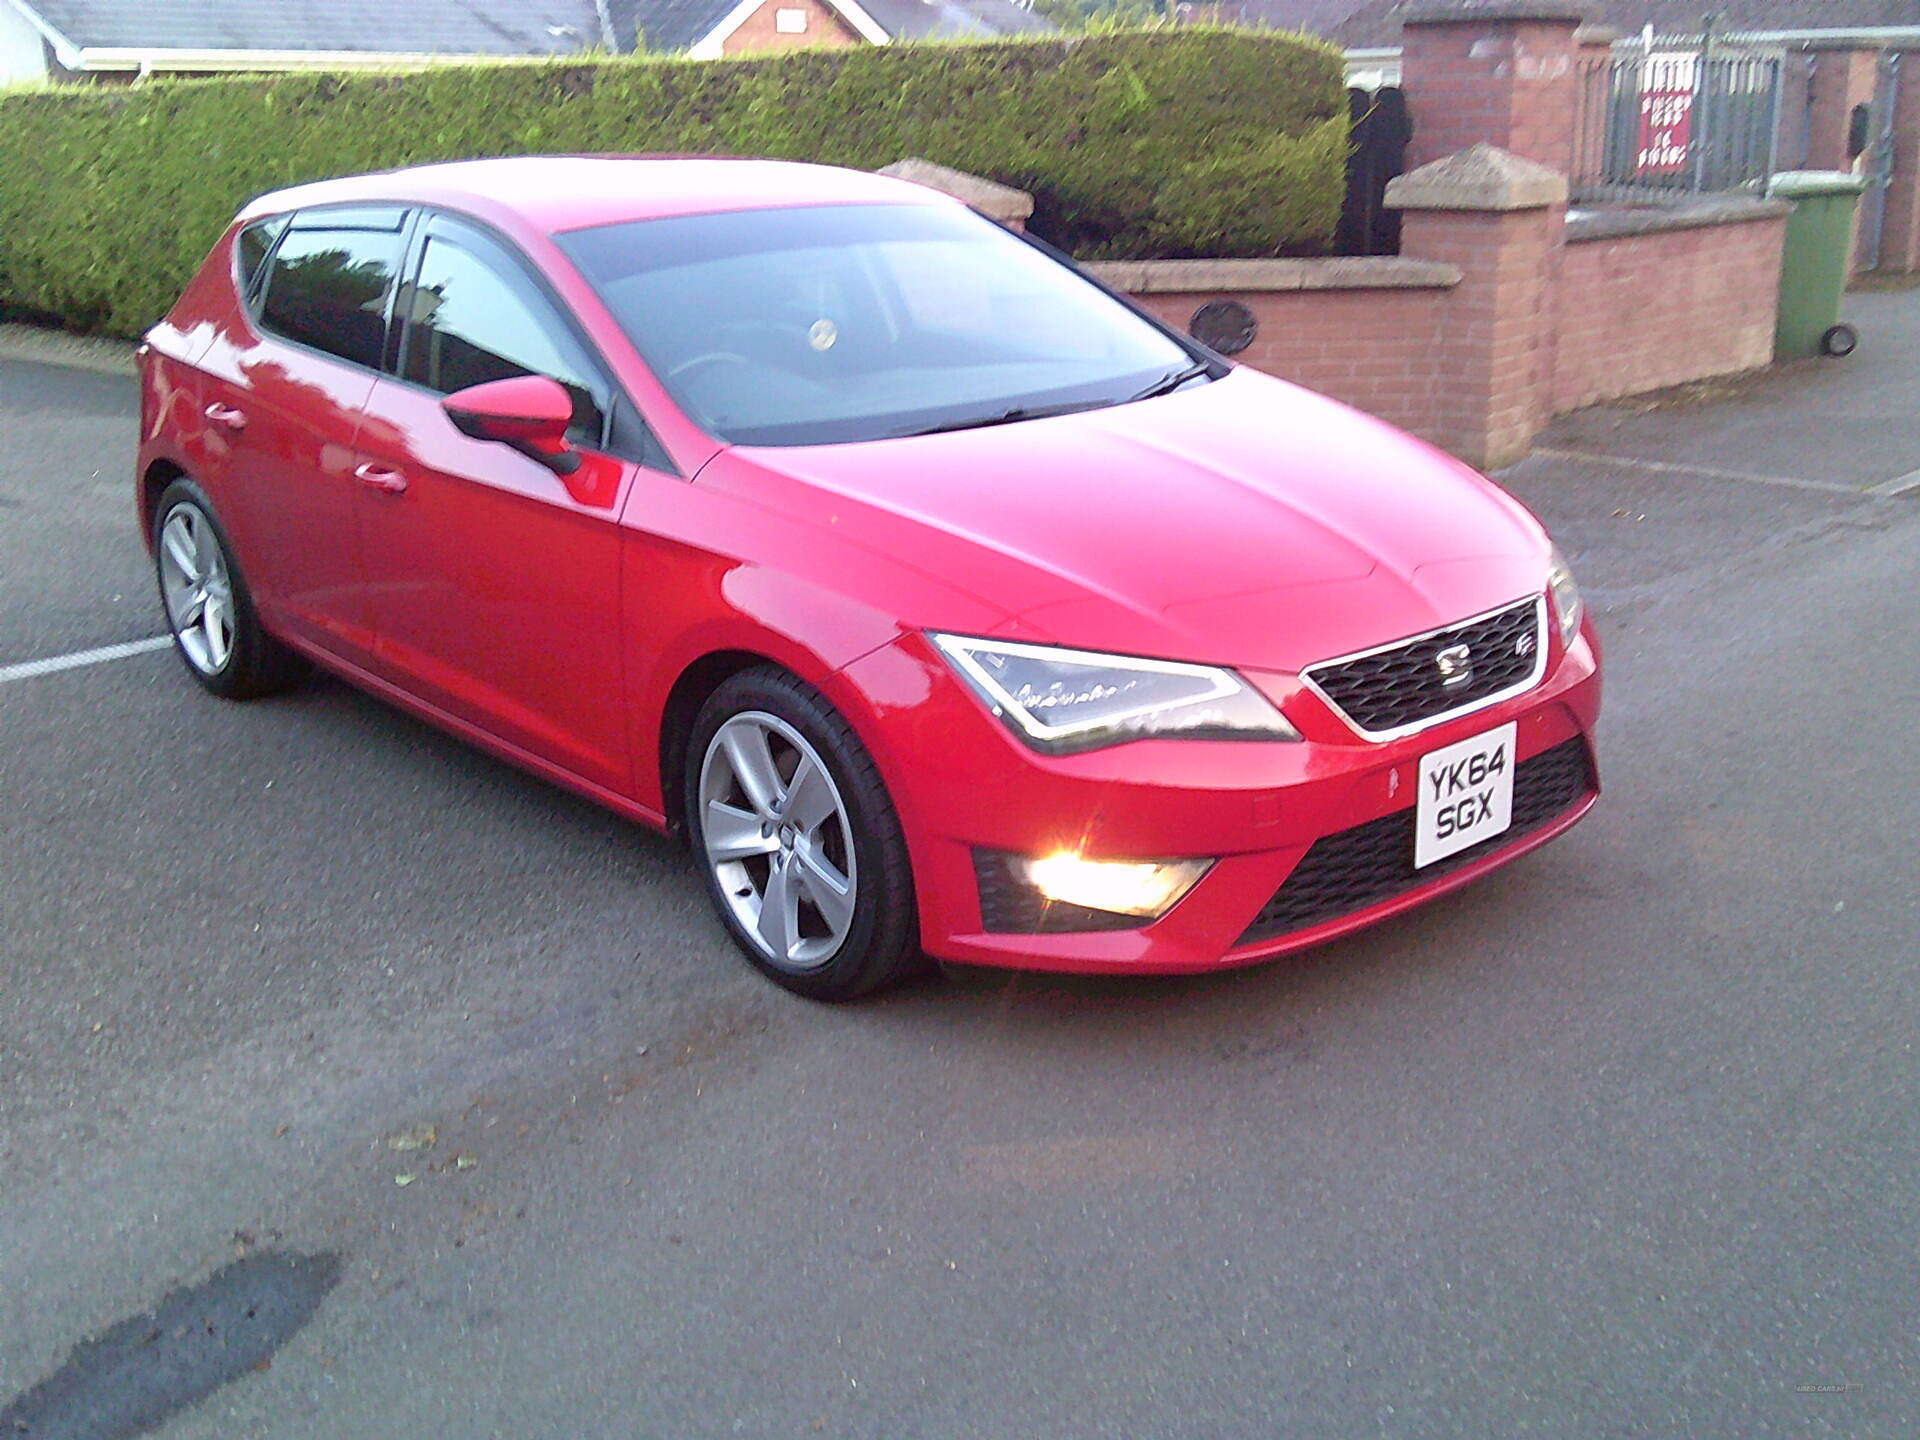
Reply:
x=528, y=413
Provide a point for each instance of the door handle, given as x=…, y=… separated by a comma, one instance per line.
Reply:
x=375, y=477
x=226, y=417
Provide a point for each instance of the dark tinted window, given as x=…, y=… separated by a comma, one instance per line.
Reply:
x=329, y=290
x=250, y=250
x=473, y=320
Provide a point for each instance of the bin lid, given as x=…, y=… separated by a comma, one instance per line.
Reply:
x=1804, y=184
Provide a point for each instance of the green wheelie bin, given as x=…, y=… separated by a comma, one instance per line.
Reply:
x=1813, y=271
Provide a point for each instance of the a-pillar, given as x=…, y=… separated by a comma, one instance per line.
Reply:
x=1501, y=219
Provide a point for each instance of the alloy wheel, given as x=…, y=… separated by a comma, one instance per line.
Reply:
x=197, y=587
x=776, y=835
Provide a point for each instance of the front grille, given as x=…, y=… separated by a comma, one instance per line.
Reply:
x=1407, y=684
x=1352, y=869
x=1010, y=906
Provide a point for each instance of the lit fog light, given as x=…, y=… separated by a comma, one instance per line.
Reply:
x=1120, y=887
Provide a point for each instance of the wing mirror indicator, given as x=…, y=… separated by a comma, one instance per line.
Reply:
x=528, y=413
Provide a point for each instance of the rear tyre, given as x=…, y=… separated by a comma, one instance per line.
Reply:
x=210, y=612
x=799, y=843
x=1839, y=340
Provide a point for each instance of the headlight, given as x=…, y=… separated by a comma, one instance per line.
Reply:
x=1565, y=598
x=1061, y=701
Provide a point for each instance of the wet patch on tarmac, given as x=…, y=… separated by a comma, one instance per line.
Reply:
x=130, y=1379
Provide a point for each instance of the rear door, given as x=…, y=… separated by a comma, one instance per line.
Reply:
x=495, y=583
x=283, y=399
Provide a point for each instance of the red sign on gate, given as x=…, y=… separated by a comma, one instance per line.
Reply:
x=1666, y=118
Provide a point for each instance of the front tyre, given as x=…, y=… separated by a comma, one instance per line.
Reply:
x=215, y=628
x=799, y=843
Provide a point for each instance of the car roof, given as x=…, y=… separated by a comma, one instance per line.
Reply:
x=555, y=193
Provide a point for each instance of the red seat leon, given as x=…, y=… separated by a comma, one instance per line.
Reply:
x=948, y=605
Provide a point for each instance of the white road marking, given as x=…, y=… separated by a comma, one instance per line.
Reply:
x=28, y=669
x=1899, y=485
x=1706, y=472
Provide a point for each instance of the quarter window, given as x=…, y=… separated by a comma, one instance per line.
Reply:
x=470, y=323
x=329, y=289
x=253, y=247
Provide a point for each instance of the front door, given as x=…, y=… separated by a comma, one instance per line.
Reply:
x=494, y=582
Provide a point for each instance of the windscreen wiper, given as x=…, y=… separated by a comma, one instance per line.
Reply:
x=1167, y=384
x=1006, y=417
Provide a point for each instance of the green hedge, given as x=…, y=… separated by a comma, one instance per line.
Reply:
x=1172, y=143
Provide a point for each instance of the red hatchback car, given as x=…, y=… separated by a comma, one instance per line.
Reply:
x=947, y=604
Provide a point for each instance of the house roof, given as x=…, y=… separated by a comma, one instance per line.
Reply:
x=678, y=24
x=1316, y=17
x=666, y=24
x=1687, y=17
x=424, y=27
x=923, y=19
x=1361, y=23
x=456, y=27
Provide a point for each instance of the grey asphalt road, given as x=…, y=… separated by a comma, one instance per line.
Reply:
x=1624, y=1141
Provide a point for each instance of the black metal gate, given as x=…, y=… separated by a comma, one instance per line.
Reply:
x=1674, y=115
x=1379, y=129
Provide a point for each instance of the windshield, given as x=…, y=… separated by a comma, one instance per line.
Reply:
x=828, y=324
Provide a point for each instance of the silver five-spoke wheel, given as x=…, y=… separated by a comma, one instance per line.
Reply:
x=197, y=588
x=776, y=835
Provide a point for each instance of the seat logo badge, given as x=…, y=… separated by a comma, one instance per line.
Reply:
x=1454, y=664
x=1523, y=647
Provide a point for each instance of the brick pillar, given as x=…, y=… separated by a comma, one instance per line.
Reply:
x=1494, y=71
x=1843, y=77
x=1500, y=218
x=1900, y=229
x=1593, y=45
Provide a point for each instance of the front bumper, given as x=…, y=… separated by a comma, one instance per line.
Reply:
x=961, y=783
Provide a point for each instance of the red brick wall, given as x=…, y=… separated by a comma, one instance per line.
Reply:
x=1537, y=325
x=1372, y=349
x=825, y=30
x=1644, y=311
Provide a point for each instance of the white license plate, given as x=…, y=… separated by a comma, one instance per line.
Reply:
x=1466, y=795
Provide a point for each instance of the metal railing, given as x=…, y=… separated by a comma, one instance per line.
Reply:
x=1675, y=116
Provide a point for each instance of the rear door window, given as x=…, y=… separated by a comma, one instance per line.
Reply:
x=331, y=283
